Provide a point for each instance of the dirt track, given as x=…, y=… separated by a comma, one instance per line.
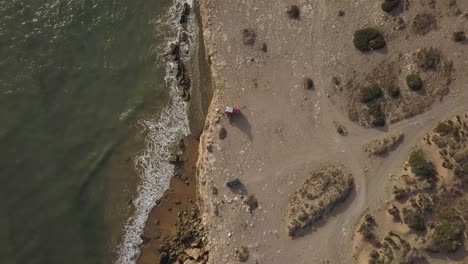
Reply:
x=286, y=130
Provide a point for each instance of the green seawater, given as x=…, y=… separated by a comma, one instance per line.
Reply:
x=75, y=78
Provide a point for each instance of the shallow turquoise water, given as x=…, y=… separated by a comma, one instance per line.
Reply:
x=75, y=76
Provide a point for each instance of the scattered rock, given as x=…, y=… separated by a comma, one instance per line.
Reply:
x=293, y=12
x=249, y=36
x=209, y=147
x=308, y=83
x=164, y=247
x=251, y=202
x=193, y=253
x=222, y=133
x=233, y=183
x=242, y=254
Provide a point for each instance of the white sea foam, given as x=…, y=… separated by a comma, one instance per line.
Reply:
x=152, y=165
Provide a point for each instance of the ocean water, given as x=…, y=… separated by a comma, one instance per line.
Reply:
x=82, y=88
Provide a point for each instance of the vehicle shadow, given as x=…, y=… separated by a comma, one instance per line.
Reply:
x=242, y=123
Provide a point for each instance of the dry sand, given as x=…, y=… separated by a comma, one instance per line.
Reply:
x=286, y=131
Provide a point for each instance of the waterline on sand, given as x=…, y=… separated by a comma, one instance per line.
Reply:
x=162, y=134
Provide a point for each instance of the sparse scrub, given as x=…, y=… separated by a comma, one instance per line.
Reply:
x=394, y=91
x=400, y=193
x=419, y=166
x=367, y=39
x=462, y=171
x=369, y=218
x=395, y=213
x=414, y=219
x=384, y=145
x=445, y=129
x=459, y=36
x=424, y=23
x=293, y=12
x=414, y=82
x=371, y=93
x=378, y=116
x=428, y=59
x=389, y=5
x=320, y=192
x=366, y=231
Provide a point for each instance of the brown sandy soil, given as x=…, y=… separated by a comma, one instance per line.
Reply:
x=286, y=131
x=163, y=218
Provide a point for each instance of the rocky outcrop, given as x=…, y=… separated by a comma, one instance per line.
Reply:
x=188, y=244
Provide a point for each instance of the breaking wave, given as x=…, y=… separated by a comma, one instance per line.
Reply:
x=161, y=135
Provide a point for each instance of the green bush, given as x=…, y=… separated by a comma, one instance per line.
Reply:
x=445, y=129
x=366, y=231
x=367, y=39
x=394, y=91
x=371, y=93
x=419, y=166
x=293, y=12
x=378, y=116
x=462, y=171
x=414, y=82
x=428, y=59
x=447, y=237
x=389, y=5
x=459, y=36
x=414, y=219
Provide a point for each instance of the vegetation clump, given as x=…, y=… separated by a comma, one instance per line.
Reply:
x=384, y=145
x=424, y=23
x=446, y=129
x=447, y=237
x=394, y=91
x=459, y=36
x=428, y=59
x=395, y=213
x=419, y=166
x=377, y=114
x=389, y=5
x=414, y=219
x=414, y=82
x=366, y=231
x=293, y=12
x=371, y=93
x=367, y=39
x=320, y=192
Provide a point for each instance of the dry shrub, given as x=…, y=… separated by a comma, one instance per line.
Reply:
x=424, y=23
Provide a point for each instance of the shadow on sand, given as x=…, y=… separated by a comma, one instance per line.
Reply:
x=242, y=123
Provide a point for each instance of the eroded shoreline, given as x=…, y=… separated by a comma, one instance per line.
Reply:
x=173, y=231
